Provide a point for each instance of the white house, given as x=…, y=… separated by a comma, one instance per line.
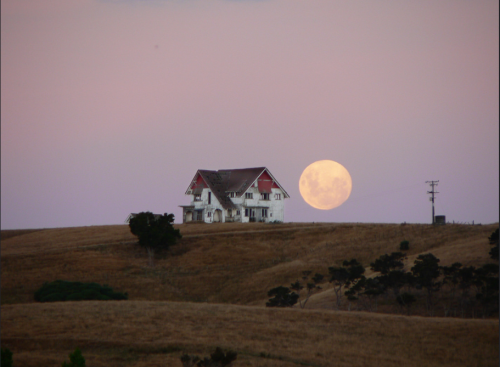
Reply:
x=235, y=195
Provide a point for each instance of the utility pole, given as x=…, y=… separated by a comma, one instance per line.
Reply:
x=432, y=192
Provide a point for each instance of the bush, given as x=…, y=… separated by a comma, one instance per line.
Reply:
x=61, y=290
x=75, y=359
x=217, y=359
x=6, y=358
x=404, y=245
x=282, y=297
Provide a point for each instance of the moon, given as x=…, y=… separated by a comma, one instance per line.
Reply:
x=325, y=184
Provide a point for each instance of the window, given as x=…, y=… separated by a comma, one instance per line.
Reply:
x=264, y=213
x=230, y=212
x=264, y=196
x=238, y=212
x=231, y=194
x=271, y=214
x=209, y=214
x=277, y=196
x=209, y=197
x=248, y=195
x=246, y=212
x=197, y=197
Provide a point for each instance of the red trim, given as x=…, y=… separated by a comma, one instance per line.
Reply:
x=198, y=183
x=265, y=183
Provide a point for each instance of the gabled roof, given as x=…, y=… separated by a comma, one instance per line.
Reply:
x=232, y=180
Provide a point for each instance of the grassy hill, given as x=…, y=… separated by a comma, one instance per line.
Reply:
x=211, y=288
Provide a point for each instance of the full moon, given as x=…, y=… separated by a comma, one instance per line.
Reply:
x=325, y=184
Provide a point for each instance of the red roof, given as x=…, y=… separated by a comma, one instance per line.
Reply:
x=234, y=180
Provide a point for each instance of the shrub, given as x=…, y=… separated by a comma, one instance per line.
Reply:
x=404, y=245
x=75, y=359
x=217, y=359
x=61, y=290
x=282, y=297
x=6, y=358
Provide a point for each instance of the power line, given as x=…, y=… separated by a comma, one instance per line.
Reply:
x=432, y=192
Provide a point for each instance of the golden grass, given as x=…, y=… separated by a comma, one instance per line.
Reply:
x=235, y=264
x=144, y=333
x=229, y=263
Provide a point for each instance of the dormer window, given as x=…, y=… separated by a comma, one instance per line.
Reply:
x=264, y=196
x=248, y=195
x=231, y=194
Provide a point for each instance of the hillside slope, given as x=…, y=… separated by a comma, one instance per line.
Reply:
x=223, y=263
x=144, y=333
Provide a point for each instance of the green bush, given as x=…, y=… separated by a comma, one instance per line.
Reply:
x=75, y=359
x=217, y=359
x=404, y=245
x=61, y=290
x=6, y=358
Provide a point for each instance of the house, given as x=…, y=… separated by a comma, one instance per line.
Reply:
x=235, y=195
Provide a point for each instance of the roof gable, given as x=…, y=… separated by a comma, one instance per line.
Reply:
x=233, y=180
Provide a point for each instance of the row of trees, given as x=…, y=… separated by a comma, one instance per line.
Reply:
x=459, y=289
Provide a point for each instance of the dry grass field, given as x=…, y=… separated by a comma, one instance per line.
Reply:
x=210, y=290
x=144, y=333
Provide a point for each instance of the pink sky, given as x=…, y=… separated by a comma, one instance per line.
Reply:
x=110, y=107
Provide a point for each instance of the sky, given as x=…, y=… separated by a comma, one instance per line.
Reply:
x=110, y=107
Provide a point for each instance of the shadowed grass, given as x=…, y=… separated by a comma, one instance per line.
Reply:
x=138, y=333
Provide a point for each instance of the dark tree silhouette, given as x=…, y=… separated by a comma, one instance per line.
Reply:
x=343, y=276
x=494, y=242
x=282, y=297
x=217, y=359
x=155, y=232
x=486, y=282
x=311, y=287
x=427, y=271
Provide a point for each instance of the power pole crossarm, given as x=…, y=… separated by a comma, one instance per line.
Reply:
x=432, y=192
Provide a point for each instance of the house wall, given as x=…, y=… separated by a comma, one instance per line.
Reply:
x=276, y=207
x=208, y=208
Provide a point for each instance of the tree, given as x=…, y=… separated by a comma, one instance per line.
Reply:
x=486, y=282
x=385, y=263
x=466, y=280
x=493, y=239
x=155, y=232
x=451, y=279
x=343, y=276
x=6, y=357
x=367, y=292
x=311, y=287
x=406, y=300
x=281, y=297
x=392, y=271
x=76, y=359
x=426, y=272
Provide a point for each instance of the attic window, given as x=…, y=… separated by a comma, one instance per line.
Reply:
x=248, y=195
x=231, y=194
x=197, y=197
x=277, y=196
x=264, y=196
